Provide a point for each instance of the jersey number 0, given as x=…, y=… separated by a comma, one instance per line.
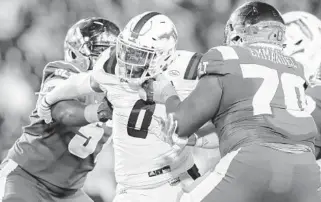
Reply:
x=140, y=119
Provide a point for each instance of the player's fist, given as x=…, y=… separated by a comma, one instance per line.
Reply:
x=44, y=110
x=158, y=89
x=105, y=110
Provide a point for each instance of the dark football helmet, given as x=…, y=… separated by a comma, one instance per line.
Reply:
x=86, y=39
x=255, y=22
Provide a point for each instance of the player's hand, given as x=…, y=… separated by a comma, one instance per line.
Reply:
x=105, y=110
x=167, y=126
x=170, y=128
x=169, y=133
x=158, y=89
x=44, y=110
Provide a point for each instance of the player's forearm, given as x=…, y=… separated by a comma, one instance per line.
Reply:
x=198, y=108
x=186, y=114
x=186, y=124
x=172, y=103
x=76, y=86
x=74, y=113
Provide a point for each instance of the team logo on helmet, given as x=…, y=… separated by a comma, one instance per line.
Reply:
x=173, y=72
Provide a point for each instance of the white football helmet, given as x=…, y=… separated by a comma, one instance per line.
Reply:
x=303, y=34
x=145, y=47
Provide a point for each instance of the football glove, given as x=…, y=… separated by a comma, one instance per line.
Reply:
x=158, y=89
x=105, y=110
x=44, y=110
x=170, y=136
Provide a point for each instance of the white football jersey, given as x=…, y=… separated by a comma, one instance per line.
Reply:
x=139, y=153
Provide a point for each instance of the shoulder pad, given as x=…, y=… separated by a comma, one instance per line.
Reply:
x=184, y=65
x=60, y=69
x=215, y=61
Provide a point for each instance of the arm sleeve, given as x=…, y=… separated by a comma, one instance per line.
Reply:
x=199, y=107
x=77, y=85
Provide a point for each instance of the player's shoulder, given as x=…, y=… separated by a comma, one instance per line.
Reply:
x=62, y=65
x=59, y=69
x=222, y=60
x=184, y=65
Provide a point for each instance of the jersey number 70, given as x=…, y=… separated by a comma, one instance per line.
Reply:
x=292, y=85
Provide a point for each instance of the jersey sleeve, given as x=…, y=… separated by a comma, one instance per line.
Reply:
x=218, y=61
x=104, y=71
x=54, y=73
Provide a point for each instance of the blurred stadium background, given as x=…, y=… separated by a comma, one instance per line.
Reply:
x=32, y=34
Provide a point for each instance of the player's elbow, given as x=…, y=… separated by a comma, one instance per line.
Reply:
x=184, y=127
x=62, y=113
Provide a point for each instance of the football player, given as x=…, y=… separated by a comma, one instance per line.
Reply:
x=146, y=168
x=255, y=96
x=50, y=162
x=303, y=31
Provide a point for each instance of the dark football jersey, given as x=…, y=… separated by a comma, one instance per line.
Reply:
x=314, y=106
x=263, y=97
x=56, y=154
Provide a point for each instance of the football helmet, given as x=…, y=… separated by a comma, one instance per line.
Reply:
x=86, y=39
x=255, y=22
x=145, y=47
x=302, y=40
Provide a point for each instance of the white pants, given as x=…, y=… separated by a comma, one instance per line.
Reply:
x=167, y=192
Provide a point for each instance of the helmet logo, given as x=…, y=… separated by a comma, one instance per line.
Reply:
x=173, y=73
x=202, y=68
x=168, y=35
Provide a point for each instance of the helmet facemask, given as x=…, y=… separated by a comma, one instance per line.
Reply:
x=303, y=31
x=298, y=37
x=138, y=64
x=270, y=32
x=79, y=55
